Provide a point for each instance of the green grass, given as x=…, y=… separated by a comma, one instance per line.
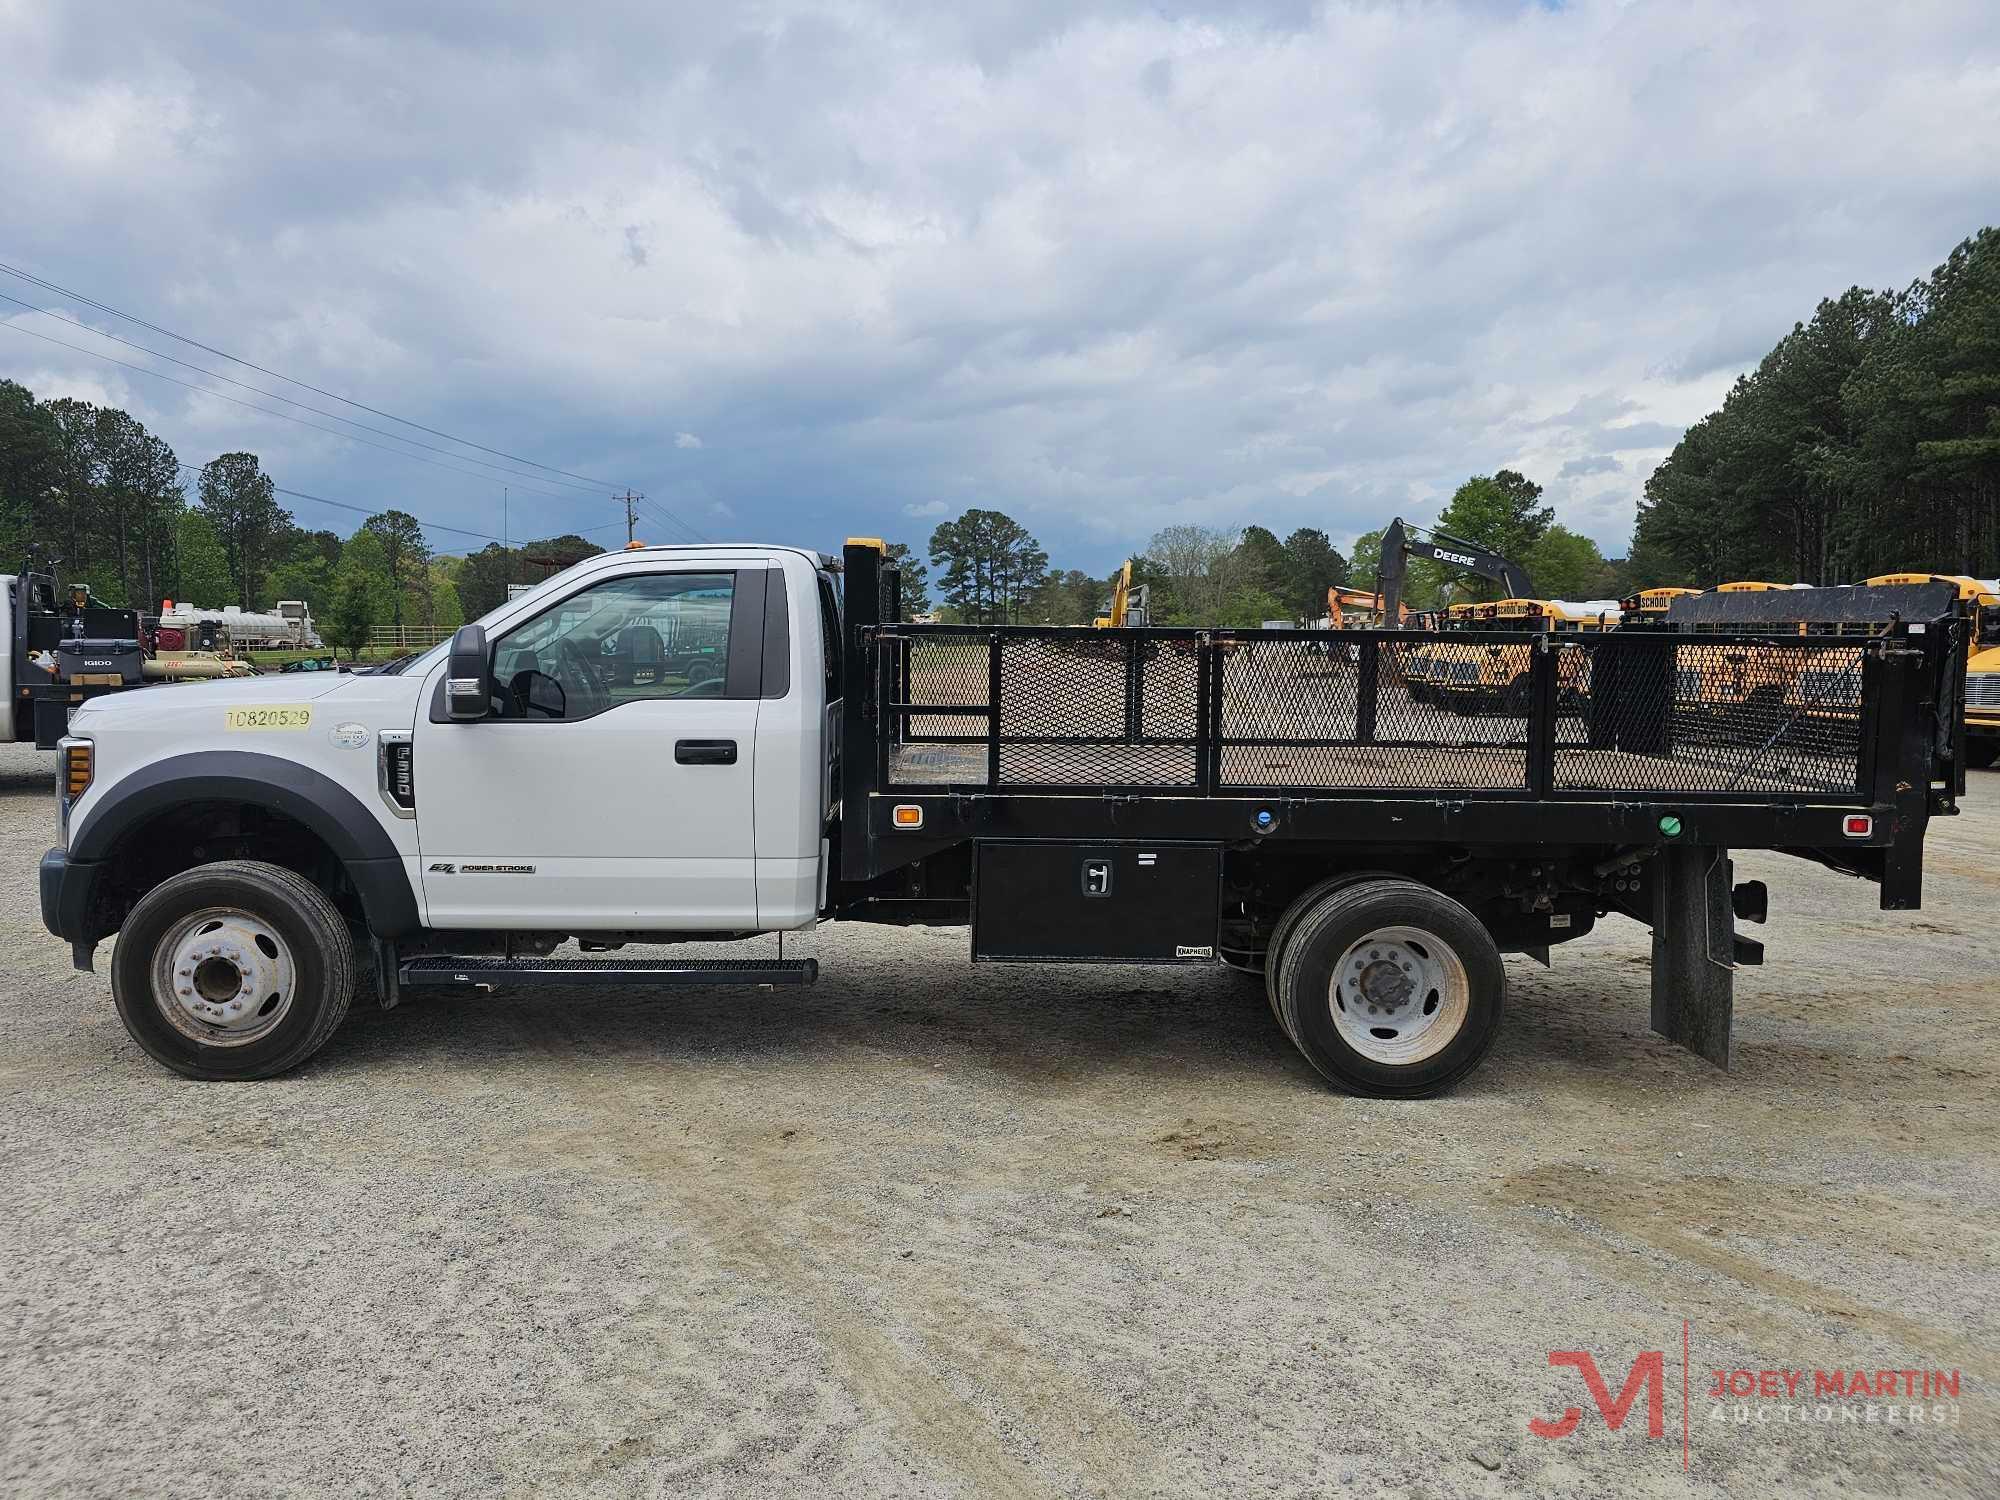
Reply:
x=280, y=658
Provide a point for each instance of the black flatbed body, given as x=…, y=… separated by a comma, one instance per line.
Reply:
x=1774, y=737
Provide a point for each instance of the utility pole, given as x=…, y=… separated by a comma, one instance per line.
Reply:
x=630, y=519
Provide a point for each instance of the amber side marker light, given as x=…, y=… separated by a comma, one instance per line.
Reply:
x=77, y=767
x=907, y=815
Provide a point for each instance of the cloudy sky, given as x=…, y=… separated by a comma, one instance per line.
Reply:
x=800, y=271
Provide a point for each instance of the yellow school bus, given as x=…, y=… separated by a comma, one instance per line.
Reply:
x=1982, y=663
x=1733, y=682
x=1495, y=676
x=1648, y=607
x=1428, y=664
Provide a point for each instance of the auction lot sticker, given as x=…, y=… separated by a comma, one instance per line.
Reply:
x=270, y=716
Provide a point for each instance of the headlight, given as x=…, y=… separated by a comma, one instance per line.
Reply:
x=76, y=764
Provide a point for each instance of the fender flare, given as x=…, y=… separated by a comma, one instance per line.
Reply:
x=317, y=802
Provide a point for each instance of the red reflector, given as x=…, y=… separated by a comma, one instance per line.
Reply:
x=1857, y=825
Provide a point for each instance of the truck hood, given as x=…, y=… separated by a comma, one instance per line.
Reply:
x=234, y=692
x=202, y=705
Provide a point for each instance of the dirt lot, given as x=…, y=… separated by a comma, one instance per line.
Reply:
x=923, y=1230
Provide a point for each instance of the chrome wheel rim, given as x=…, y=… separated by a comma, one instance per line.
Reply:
x=223, y=977
x=1399, y=995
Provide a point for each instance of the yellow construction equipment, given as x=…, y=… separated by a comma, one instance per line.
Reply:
x=1128, y=602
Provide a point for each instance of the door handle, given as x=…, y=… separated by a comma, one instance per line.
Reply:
x=705, y=752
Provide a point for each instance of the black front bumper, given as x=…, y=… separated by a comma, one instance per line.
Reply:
x=67, y=888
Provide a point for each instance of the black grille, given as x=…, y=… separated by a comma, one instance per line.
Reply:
x=1360, y=711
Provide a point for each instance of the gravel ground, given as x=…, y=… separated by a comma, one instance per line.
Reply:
x=926, y=1230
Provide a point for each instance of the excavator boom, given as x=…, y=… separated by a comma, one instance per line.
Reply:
x=1398, y=547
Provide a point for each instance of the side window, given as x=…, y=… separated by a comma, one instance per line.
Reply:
x=829, y=633
x=650, y=635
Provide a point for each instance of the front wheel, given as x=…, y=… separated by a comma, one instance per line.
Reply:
x=1390, y=988
x=232, y=970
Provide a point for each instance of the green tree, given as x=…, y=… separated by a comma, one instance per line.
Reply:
x=1191, y=571
x=200, y=574
x=915, y=579
x=1866, y=441
x=1365, y=565
x=1066, y=597
x=446, y=613
x=551, y=555
x=240, y=502
x=1566, y=565
x=364, y=558
x=306, y=572
x=1312, y=565
x=989, y=565
x=140, y=498
x=349, y=624
x=1260, y=561
x=1498, y=512
x=483, y=578
x=28, y=468
x=407, y=557
x=68, y=518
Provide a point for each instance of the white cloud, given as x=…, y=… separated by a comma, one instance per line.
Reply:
x=1104, y=267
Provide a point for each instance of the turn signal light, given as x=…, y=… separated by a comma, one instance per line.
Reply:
x=907, y=815
x=1857, y=825
x=78, y=765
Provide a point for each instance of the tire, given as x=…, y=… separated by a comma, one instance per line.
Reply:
x=1981, y=753
x=233, y=930
x=1274, y=951
x=1441, y=996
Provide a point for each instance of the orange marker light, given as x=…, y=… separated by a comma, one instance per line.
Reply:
x=907, y=815
x=77, y=768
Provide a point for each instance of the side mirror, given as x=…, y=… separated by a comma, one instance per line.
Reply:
x=468, y=680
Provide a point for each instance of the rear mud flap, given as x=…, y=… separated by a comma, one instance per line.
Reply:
x=1694, y=950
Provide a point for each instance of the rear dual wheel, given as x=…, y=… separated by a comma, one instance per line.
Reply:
x=1388, y=987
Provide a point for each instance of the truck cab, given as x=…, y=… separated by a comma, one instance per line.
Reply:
x=651, y=757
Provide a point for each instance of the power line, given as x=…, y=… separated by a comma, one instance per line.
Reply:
x=267, y=411
x=667, y=518
x=394, y=437
x=362, y=510
x=133, y=318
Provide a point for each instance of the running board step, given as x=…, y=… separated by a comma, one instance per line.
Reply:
x=473, y=972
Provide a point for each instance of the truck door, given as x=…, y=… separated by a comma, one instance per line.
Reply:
x=612, y=789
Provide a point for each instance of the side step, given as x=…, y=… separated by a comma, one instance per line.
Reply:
x=474, y=972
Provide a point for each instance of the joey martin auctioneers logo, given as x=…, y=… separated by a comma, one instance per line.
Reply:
x=1900, y=1397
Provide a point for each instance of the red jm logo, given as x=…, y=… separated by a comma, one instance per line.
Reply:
x=1648, y=1371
